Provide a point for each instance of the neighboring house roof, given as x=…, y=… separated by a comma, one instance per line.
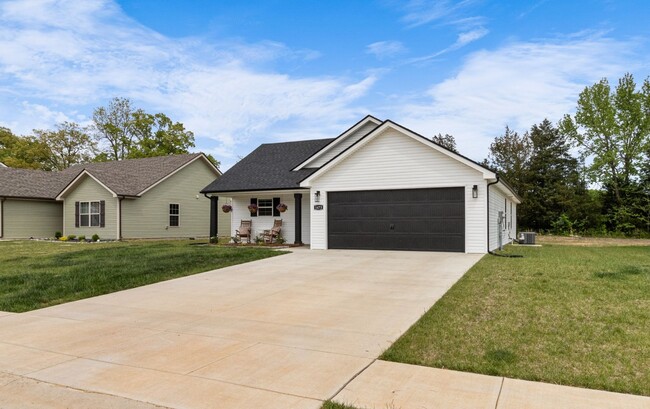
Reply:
x=132, y=177
x=32, y=184
x=129, y=177
x=269, y=167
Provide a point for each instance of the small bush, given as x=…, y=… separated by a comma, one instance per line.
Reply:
x=58, y=235
x=95, y=237
x=71, y=236
x=259, y=240
x=214, y=240
x=236, y=239
x=63, y=238
x=280, y=239
x=82, y=237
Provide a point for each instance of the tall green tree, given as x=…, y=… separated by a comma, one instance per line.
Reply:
x=508, y=155
x=124, y=131
x=612, y=128
x=446, y=140
x=114, y=128
x=68, y=144
x=552, y=176
x=157, y=135
x=22, y=151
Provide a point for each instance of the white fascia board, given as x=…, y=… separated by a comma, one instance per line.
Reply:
x=509, y=193
x=338, y=140
x=201, y=156
x=487, y=174
x=72, y=184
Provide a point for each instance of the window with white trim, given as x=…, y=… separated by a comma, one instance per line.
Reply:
x=89, y=214
x=174, y=215
x=265, y=207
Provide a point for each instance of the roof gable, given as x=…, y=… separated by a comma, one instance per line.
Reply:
x=341, y=142
x=133, y=177
x=405, y=131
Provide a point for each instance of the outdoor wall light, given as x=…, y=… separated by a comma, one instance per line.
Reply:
x=317, y=196
x=475, y=191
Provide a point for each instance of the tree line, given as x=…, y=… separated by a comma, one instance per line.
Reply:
x=587, y=174
x=117, y=131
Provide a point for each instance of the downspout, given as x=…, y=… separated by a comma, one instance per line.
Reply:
x=2, y=217
x=119, y=221
x=488, y=213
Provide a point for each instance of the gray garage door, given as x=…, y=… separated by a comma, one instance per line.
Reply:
x=413, y=219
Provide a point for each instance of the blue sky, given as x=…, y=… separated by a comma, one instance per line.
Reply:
x=243, y=73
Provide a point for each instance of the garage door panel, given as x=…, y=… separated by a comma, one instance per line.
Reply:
x=414, y=219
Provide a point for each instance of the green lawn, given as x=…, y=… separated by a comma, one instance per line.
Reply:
x=37, y=274
x=333, y=405
x=562, y=314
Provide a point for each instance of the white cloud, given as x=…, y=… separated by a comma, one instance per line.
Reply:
x=462, y=40
x=81, y=54
x=519, y=84
x=385, y=49
x=420, y=12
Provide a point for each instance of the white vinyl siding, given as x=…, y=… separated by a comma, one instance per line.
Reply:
x=240, y=212
x=393, y=160
x=500, y=202
x=23, y=219
x=343, y=145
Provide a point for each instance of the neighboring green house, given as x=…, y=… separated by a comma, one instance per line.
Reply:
x=135, y=198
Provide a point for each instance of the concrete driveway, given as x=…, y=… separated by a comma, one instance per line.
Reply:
x=285, y=332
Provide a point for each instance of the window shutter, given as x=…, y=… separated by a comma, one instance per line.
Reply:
x=254, y=201
x=276, y=202
x=76, y=214
x=102, y=213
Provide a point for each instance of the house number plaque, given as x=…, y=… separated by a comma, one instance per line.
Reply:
x=318, y=207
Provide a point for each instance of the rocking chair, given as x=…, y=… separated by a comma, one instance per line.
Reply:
x=244, y=230
x=273, y=232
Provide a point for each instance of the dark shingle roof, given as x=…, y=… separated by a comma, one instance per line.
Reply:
x=127, y=177
x=35, y=184
x=269, y=167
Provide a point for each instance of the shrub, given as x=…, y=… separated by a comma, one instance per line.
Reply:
x=214, y=240
x=280, y=239
x=71, y=237
x=82, y=237
x=236, y=239
x=63, y=238
x=58, y=235
x=95, y=237
x=259, y=240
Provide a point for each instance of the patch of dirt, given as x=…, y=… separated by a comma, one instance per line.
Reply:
x=591, y=241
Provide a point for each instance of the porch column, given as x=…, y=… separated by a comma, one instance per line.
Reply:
x=214, y=215
x=298, y=213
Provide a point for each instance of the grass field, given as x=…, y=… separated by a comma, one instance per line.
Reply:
x=35, y=274
x=562, y=314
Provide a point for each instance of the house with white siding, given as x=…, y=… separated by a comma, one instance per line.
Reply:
x=154, y=197
x=378, y=185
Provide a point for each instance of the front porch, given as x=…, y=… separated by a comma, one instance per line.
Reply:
x=295, y=220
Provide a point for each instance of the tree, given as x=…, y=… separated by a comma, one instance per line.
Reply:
x=22, y=151
x=446, y=140
x=613, y=128
x=157, y=135
x=555, y=188
x=113, y=126
x=68, y=144
x=508, y=155
x=126, y=132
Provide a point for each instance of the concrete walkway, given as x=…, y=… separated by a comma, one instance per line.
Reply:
x=286, y=332
x=401, y=386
